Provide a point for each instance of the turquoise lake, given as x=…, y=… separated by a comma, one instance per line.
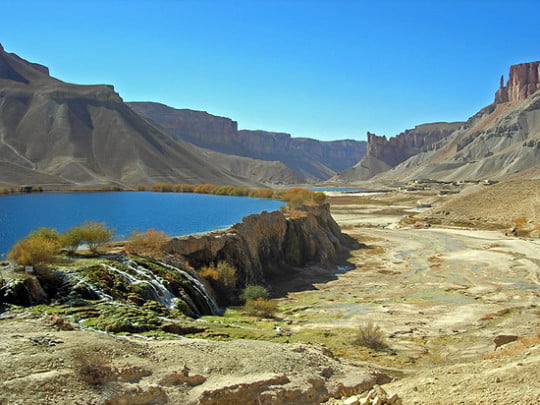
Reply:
x=175, y=214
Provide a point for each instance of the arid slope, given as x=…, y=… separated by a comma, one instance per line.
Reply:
x=86, y=135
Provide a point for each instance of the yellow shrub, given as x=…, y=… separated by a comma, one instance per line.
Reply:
x=34, y=252
x=261, y=307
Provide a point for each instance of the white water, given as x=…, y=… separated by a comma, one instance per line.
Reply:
x=87, y=284
x=156, y=282
x=161, y=293
x=198, y=286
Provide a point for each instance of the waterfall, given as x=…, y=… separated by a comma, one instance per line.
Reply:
x=81, y=281
x=156, y=282
x=161, y=292
x=199, y=286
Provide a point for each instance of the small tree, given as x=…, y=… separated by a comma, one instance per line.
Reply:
x=95, y=234
x=226, y=274
x=72, y=238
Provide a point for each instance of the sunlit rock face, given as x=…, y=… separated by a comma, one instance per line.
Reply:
x=523, y=81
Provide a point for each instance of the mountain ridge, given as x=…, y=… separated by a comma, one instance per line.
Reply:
x=310, y=158
x=86, y=134
x=500, y=141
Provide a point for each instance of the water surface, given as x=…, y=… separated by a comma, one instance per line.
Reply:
x=174, y=213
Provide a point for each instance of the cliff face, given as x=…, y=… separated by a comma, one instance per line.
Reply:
x=309, y=158
x=267, y=244
x=383, y=154
x=523, y=81
x=197, y=127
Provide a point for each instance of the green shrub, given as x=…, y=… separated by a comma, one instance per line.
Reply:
x=226, y=274
x=184, y=188
x=253, y=292
x=224, y=190
x=371, y=336
x=204, y=189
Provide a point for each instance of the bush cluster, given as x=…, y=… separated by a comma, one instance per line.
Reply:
x=294, y=197
x=42, y=245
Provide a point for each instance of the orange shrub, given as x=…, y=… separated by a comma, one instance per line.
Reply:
x=262, y=193
x=184, y=188
x=163, y=187
x=146, y=243
x=204, y=188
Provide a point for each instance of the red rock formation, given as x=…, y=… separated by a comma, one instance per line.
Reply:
x=523, y=81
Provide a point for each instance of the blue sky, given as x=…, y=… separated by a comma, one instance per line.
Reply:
x=321, y=69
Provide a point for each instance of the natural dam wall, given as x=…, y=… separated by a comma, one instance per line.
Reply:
x=268, y=244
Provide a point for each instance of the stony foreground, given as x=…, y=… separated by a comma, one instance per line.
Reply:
x=41, y=365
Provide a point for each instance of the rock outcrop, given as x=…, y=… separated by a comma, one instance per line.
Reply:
x=309, y=158
x=523, y=81
x=265, y=245
x=383, y=154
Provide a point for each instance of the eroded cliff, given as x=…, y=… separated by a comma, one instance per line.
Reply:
x=523, y=81
x=268, y=244
x=383, y=154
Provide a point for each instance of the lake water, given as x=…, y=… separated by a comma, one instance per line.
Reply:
x=173, y=213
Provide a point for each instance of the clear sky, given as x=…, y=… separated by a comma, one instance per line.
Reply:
x=322, y=69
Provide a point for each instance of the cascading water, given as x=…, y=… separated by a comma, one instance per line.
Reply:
x=157, y=283
x=197, y=285
x=161, y=293
x=83, y=282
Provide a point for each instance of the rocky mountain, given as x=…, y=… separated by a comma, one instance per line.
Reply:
x=60, y=133
x=383, y=154
x=501, y=141
x=310, y=158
